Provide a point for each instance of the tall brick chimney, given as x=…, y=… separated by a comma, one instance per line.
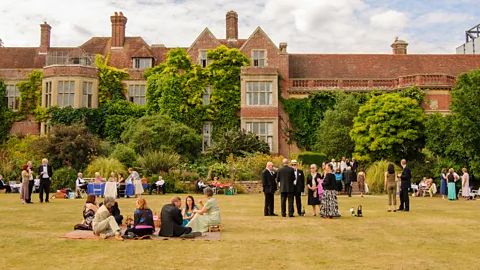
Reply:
x=45, y=30
x=232, y=25
x=118, y=29
x=399, y=46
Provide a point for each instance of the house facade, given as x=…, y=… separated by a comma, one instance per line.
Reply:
x=70, y=77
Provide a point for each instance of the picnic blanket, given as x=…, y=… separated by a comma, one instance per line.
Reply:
x=79, y=234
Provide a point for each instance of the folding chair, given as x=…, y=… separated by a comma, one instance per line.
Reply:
x=474, y=193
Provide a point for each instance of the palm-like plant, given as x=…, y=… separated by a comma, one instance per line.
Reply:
x=154, y=162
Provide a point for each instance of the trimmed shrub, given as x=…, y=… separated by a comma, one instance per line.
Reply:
x=63, y=178
x=308, y=158
x=105, y=166
x=154, y=162
x=125, y=154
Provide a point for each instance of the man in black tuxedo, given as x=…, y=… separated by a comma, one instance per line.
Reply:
x=45, y=171
x=286, y=176
x=299, y=186
x=172, y=220
x=269, y=187
x=405, y=185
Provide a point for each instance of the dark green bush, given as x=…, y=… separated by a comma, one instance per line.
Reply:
x=125, y=154
x=312, y=158
x=63, y=178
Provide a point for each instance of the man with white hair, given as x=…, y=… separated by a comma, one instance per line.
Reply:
x=80, y=184
x=104, y=224
x=269, y=187
x=45, y=171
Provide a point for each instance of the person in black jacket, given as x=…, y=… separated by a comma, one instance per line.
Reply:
x=172, y=220
x=286, y=176
x=299, y=185
x=329, y=205
x=143, y=220
x=45, y=171
x=348, y=177
x=405, y=185
x=269, y=187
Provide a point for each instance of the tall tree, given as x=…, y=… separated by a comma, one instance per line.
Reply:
x=334, y=131
x=388, y=127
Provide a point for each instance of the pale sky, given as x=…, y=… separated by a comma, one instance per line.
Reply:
x=308, y=26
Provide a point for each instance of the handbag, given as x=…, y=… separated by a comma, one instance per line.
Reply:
x=359, y=211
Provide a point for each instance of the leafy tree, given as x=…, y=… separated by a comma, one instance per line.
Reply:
x=388, y=127
x=160, y=132
x=414, y=93
x=117, y=113
x=334, y=131
x=224, y=73
x=154, y=162
x=105, y=166
x=110, y=86
x=466, y=123
x=124, y=154
x=175, y=88
x=69, y=146
x=237, y=142
x=63, y=178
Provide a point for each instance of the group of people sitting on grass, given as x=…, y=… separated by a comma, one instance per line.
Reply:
x=213, y=184
x=176, y=221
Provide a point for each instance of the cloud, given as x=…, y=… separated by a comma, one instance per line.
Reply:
x=314, y=26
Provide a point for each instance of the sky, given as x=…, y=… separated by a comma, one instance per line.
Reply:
x=308, y=26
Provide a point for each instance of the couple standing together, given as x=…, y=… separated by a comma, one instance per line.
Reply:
x=292, y=184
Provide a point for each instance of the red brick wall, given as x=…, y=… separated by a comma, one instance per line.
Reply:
x=15, y=74
x=26, y=127
x=50, y=71
x=205, y=41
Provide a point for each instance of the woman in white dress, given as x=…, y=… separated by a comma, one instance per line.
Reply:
x=208, y=215
x=465, y=184
x=137, y=183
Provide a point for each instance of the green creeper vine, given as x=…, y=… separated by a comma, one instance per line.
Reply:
x=30, y=95
x=110, y=80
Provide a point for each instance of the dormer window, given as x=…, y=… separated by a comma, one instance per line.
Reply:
x=203, y=60
x=142, y=62
x=259, y=58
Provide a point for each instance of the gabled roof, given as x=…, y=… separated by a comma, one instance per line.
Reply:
x=258, y=31
x=232, y=44
x=142, y=52
x=378, y=66
x=206, y=34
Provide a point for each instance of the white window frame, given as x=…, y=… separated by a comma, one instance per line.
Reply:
x=259, y=58
x=12, y=97
x=203, y=59
x=137, y=94
x=142, y=62
x=207, y=139
x=259, y=93
x=66, y=94
x=48, y=94
x=87, y=94
x=264, y=131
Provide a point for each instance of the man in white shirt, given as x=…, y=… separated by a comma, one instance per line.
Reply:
x=45, y=171
x=334, y=165
x=160, y=184
x=201, y=185
x=343, y=164
x=80, y=184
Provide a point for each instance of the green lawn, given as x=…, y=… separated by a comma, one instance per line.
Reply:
x=436, y=234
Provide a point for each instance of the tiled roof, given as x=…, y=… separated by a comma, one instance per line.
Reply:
x=21, y=58
x=378, y=65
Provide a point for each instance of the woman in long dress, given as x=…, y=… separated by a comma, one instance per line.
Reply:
x=329, y=205
x=443, y=183
x=361, y=182
x=390, y=187
x=451, y=185
x=137, y=183
x=312, y=184
x=24, y=196
x=208, y=215
x=465, y=184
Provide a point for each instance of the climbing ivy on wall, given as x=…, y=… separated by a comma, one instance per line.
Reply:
x=5, y=114
x=110, y=85
x=30, y=95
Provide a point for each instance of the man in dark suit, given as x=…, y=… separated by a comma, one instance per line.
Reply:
x=269, y=187
x=172, y=219
x=286, y=176
x=7, y=188
x=348, y=175
x=405, y=185
x=45, y=171
x=299, y=186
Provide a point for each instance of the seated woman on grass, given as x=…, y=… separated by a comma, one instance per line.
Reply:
x=208, y=215
x=89, y=210
x=142, y=220
x=187, y=212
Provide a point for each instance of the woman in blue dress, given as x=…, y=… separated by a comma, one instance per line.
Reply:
x=187, y=212
x=443, y=183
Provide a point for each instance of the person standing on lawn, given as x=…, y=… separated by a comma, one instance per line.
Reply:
x=286, y=177
x=269, y=187
x=405, y=185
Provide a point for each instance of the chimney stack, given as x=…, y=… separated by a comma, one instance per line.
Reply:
x=399, y=46
x=232, y=25
x=45, y=30
x=283, y=47
x=118, y=30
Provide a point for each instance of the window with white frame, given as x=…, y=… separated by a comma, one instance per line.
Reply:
x=142, y=62
x=48, y=94
x=136, y=93
x=259, y=58
x=264, y=131
x=87, y=94
x=207, y=135
x=206, y=95
x=12, y=97
x=66, y=93
x=203, y=60
x=259, y=93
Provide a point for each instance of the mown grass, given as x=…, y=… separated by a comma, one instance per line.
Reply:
x=436, y=234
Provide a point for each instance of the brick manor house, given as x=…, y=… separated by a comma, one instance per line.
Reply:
x=71, y=79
